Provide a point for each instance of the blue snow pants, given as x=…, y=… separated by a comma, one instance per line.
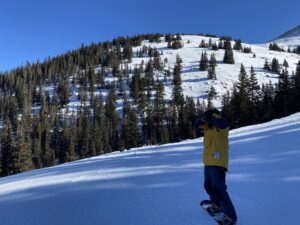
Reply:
x=215, y=186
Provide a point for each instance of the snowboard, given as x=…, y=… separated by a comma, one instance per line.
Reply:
x=216, y=213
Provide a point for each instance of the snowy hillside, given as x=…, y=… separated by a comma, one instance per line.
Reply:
x=194, y=82
x=163, y=185
x=292, y=42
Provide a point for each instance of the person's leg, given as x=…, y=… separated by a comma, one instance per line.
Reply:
x=226, y=203
x=219, y=192
x=208, y=179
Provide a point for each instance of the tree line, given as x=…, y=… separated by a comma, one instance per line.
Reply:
x=250, y=103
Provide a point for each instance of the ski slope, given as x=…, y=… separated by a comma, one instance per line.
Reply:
x=163, y=185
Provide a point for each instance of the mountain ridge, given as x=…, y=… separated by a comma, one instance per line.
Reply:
x=289, y=39
x=294, y=32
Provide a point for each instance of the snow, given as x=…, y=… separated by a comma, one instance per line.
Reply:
x=163, y=184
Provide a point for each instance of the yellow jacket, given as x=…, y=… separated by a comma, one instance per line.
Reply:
x=216, y=147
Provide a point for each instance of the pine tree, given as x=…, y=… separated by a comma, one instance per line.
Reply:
x=55, y=143
x=266, y=109
x=116, y=69
x=213, y=61
x=178, y=60
x=129, y=131
x=254, y=95
x=70, y=151
x=23, y=143
x=241, y=101
x=247, y=50
x=214, y=47
x=149, y=127
x=296, y=83
x=83, y=136
x=149, y=75
x=91, y=75
x=275, y=47
x=36, y=136
x=23, y=139
x=103, y=123
x=100, y=75
x=113, y=118
x=212, y=94
x=227, y=107
x=221, y=44
x=48, y=155
x=209, y=42
x=211, y=72
x=267, y=65
x=9, y=152
x=127, y=52
x=172, y=123
x=177, y=95
x=202, y=44
x=66, y=154
x=135, y=85
x=177, y=44
x=228, y=56
x=159, y=112
x=63, y=92
x=285, y=63
x=192, y=116
x=203, y=62
x=184, y=127
x=68, y=139
x=157, y=64
x=243, y=83
x=134, y=129
x=238, y=45
x=275, y=67
x=281, y=100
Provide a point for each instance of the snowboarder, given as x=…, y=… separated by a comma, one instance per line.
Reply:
x=215, y=158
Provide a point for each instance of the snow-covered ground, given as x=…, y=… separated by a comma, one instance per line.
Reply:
x=163, y=185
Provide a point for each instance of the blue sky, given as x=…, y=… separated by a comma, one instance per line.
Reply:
x=35, y=29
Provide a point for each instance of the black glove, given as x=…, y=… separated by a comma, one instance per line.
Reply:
x=199, y=122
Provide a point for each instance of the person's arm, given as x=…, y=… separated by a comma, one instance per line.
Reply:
x=200, y=123
x=219, y=122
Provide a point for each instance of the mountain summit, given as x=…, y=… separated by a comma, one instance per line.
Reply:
x=295, y=32
x=289, y=39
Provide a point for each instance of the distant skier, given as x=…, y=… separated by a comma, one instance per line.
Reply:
x=215, y=158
